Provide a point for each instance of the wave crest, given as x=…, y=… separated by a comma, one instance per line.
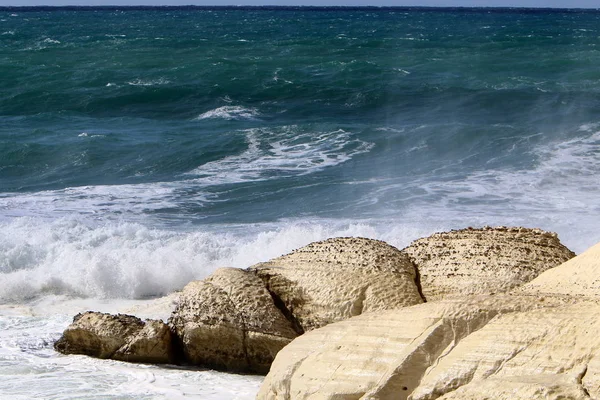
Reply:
x=230, y=113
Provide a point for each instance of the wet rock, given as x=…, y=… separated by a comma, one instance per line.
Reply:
x=120, y=337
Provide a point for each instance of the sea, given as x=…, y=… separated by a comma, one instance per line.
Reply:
x=144, y=147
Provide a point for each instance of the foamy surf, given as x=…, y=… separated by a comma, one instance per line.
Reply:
x=282, y=152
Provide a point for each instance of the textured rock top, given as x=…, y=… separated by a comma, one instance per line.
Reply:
x=339, y=278
x=347, y=253
x=485, y=260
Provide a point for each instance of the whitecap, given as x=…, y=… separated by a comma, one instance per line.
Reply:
x=85, y=134
x=276, y=77
x=230, y=113
x=282, y=152
x=152, y=82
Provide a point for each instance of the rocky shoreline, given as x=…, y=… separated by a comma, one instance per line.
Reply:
x=349, y=318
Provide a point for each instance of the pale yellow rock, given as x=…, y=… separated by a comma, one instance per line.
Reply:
x=483, y=261
x=535, y=387
x=336, y=279
x=230, y=322
x=120, y=337
x=550, y=350
x=151, y=344
x=579, y=276
x=381, y=355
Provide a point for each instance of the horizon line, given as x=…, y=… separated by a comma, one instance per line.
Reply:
x=288, y=7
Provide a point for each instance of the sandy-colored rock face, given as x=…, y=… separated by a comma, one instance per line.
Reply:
x=483, y=261
x=336, y=279
x=381, y=355
x=120, y=337
x=542, y=387
x=229, y=321
x=540, y=354
x=579, y=276
x=151, y=344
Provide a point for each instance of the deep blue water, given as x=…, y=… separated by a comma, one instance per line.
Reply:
x=263, y=129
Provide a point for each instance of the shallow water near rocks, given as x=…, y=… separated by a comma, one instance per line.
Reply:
x=30, y=368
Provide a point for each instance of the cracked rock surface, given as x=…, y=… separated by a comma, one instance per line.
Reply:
x=339, y=278
x=383, y=355
x=230, y=322
x=120, y=337
x=484, y=261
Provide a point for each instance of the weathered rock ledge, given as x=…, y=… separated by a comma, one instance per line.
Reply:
x=540, y=341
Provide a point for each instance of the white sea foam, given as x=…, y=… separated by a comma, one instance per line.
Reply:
x=149, y=82
x=42, y=44
x=104, y=200
x=85, y=135
x=281, y=152
x=230, y=113
x=70, y=257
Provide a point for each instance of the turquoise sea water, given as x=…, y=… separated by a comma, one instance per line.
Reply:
x=143, y=148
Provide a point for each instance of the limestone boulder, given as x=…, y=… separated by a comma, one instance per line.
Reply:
x=120, y=337
x=538, y=354
x=579, y=276
x=230, y=322
x=383, y=355
x=483, y=261
x=339, y=278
